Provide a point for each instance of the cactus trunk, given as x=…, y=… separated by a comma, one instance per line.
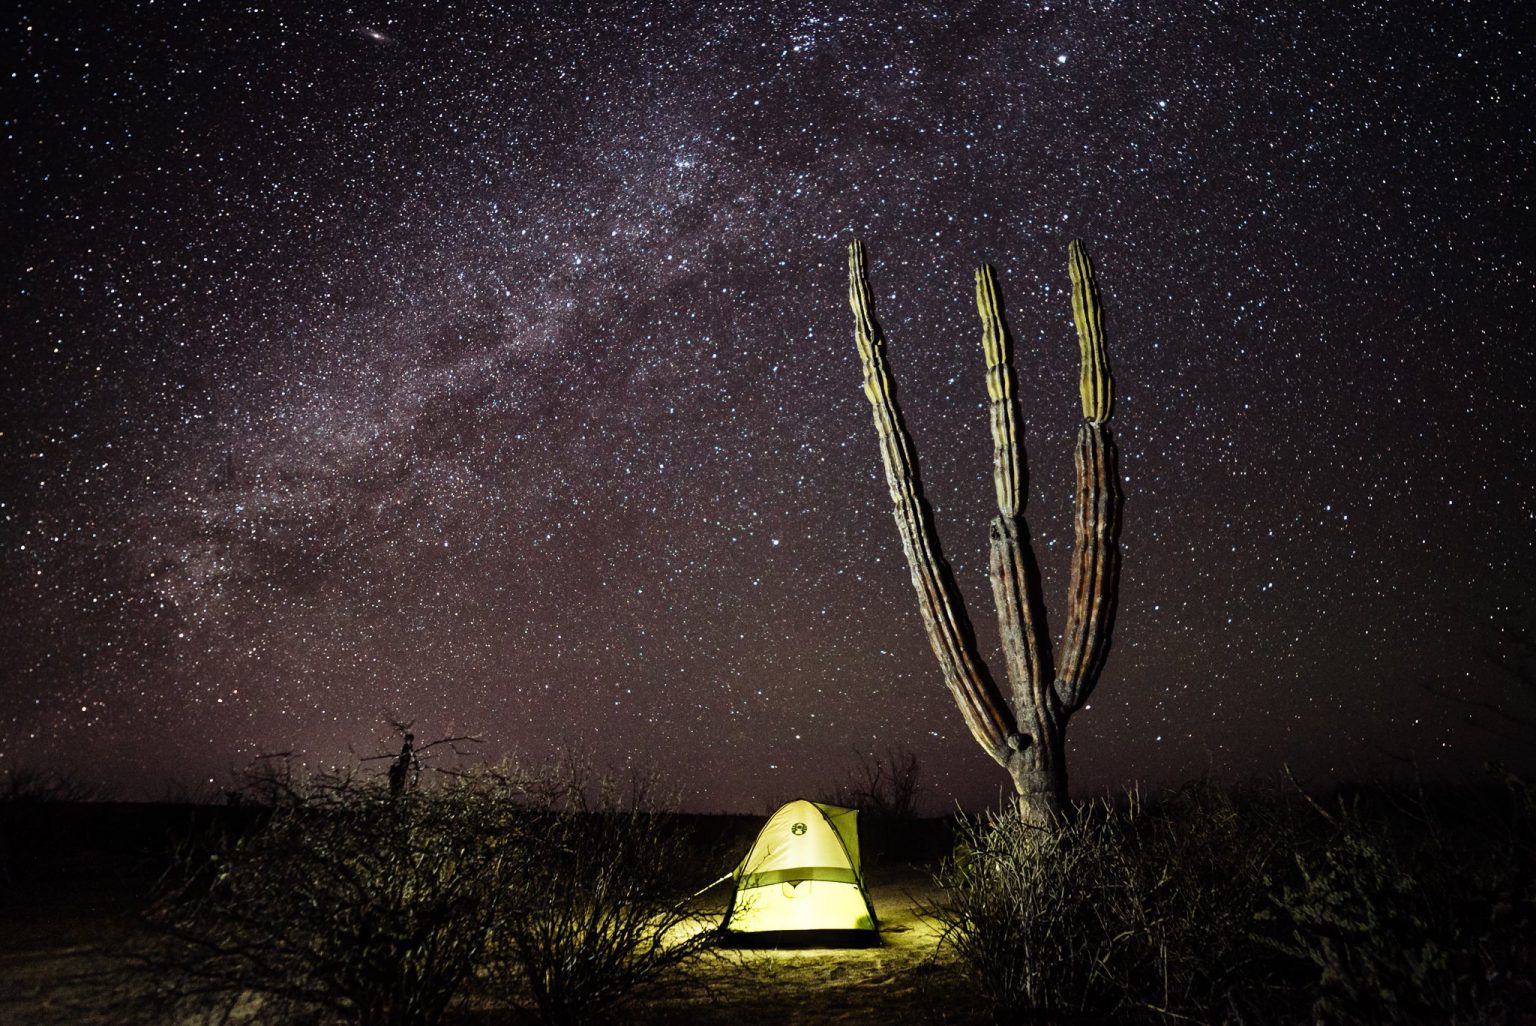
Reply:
x=1029, y=740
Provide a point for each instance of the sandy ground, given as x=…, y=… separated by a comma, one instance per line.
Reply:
x=54, y=948
x=905, y=980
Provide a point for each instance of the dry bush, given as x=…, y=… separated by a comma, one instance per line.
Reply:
x=343, y=903
x=556, y=891
x=596, y=915
x=1408, y=913
x=1233, y=906
x=885, y=789
x=1130, y=912
x=25, y=785
x=1025, y=916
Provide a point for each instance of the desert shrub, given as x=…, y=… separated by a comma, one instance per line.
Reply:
x=885, y=789
x=595, y=914
x=1131, y=912
x=1411, y=914
x=1199, y=861
x=553, y=890
x=25, y=785
x=883, y=786
x=1025, y=914
x=26, y=795
x=1359, y=915
x=1173, y=887
x=343, y=903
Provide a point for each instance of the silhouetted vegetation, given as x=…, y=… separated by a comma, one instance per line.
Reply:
x=885, y=788
x=363, y=903
x=562, y=897
x=1408, y=913
x=1248, y=906
x=595, y=914
x=25, y=785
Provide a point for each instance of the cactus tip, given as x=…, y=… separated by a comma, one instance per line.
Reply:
x=1078, y=263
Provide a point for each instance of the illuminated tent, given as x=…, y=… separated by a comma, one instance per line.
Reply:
x=800, y=882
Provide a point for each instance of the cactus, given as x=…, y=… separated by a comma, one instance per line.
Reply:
x=1028, y=740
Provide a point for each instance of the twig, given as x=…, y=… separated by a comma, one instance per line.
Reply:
x=1327, y=816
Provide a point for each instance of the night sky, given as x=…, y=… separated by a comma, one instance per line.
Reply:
x=491, y=368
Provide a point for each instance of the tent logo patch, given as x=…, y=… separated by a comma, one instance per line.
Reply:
x=797, y=829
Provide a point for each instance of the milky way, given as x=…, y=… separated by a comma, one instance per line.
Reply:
x=492, y=370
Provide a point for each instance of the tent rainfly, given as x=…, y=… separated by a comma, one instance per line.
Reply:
x=800, y=884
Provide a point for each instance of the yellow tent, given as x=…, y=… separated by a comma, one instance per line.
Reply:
x=800, y=882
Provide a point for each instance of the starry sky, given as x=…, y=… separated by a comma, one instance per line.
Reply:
x=489, y=367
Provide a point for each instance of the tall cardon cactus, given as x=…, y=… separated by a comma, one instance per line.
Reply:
x=1028, y=737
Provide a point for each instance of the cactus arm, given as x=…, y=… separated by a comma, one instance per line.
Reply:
x=1021, y=617
x=1095, y=583
x=1010, y=473
x=1095, y=383
x=944, y=618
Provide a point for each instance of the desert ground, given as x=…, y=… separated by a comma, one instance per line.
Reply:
x=63, y=936
x=907, y=979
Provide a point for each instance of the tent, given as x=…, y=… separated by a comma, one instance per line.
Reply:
x=800, y=883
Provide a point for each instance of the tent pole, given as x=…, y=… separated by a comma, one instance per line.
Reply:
x=706, y=887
